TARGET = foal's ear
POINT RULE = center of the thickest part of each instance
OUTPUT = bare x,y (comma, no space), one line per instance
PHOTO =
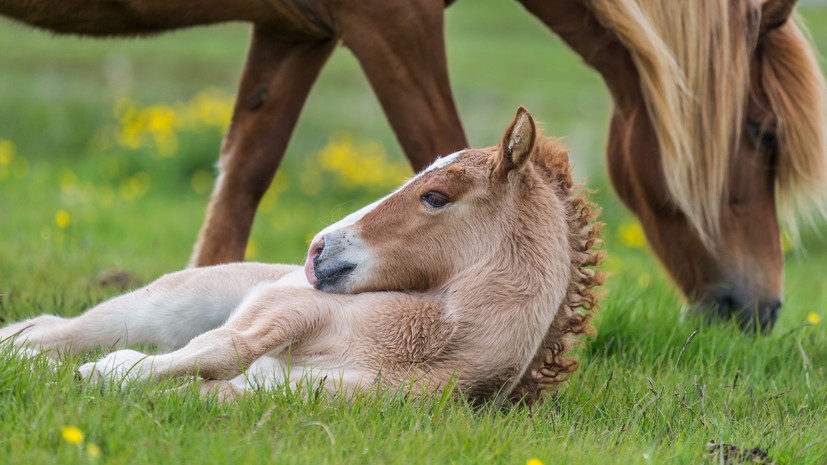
517,144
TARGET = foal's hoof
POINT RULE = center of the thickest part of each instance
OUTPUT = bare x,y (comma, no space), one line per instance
89,372
120,367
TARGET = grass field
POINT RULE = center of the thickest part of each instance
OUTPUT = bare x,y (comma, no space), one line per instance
107,153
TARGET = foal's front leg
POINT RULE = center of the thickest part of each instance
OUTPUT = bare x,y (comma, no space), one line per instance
168,312
267,322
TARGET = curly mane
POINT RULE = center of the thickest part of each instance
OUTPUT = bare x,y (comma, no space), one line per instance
550,365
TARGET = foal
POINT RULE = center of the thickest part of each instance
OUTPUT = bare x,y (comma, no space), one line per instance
472,272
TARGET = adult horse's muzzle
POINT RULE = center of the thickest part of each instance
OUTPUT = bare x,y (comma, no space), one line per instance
327,267
750,312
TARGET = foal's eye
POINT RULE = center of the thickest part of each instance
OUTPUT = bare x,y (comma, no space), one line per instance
435,199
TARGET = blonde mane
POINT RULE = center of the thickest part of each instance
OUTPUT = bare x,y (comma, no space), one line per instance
693,60
796,90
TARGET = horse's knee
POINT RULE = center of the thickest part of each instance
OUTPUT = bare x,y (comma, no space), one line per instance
245,173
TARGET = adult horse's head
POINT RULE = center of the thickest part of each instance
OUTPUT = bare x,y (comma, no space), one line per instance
720,114
500,211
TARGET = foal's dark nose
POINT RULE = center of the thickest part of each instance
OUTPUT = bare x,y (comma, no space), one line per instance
752,314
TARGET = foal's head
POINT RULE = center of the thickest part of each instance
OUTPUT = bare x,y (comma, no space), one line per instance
478,209
741,126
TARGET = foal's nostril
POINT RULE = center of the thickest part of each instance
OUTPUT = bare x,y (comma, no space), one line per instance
316,249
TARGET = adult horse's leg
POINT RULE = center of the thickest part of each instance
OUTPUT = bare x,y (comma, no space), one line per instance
401,48
404,59
277,77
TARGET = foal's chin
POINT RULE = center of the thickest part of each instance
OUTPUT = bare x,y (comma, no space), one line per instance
337,278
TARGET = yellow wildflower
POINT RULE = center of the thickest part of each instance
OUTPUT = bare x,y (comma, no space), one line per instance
362,164
813,318
251,251
631,234
72,434
210,108
787,242
93,450
62,219
134,186
160,119
132,122
279,185
167,144
7,150
643,280
534,461
68,181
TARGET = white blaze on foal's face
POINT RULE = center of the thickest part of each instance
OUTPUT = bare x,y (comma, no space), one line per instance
352,254
419,236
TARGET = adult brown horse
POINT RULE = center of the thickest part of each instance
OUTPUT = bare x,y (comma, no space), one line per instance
719,109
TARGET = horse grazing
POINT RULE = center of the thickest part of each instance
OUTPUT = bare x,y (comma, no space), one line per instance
471,273
719,109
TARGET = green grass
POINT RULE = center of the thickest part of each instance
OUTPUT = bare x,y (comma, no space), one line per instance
632,401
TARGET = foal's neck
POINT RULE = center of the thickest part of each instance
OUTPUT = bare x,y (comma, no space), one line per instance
508,301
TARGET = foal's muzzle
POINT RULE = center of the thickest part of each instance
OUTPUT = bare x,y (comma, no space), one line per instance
326,268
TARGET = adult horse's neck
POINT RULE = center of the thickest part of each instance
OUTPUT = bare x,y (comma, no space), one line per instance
573,22
600,48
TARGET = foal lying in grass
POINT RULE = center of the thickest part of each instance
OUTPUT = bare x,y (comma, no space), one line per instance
472,272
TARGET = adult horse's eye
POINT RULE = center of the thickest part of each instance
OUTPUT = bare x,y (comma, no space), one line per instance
760,137
435,199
